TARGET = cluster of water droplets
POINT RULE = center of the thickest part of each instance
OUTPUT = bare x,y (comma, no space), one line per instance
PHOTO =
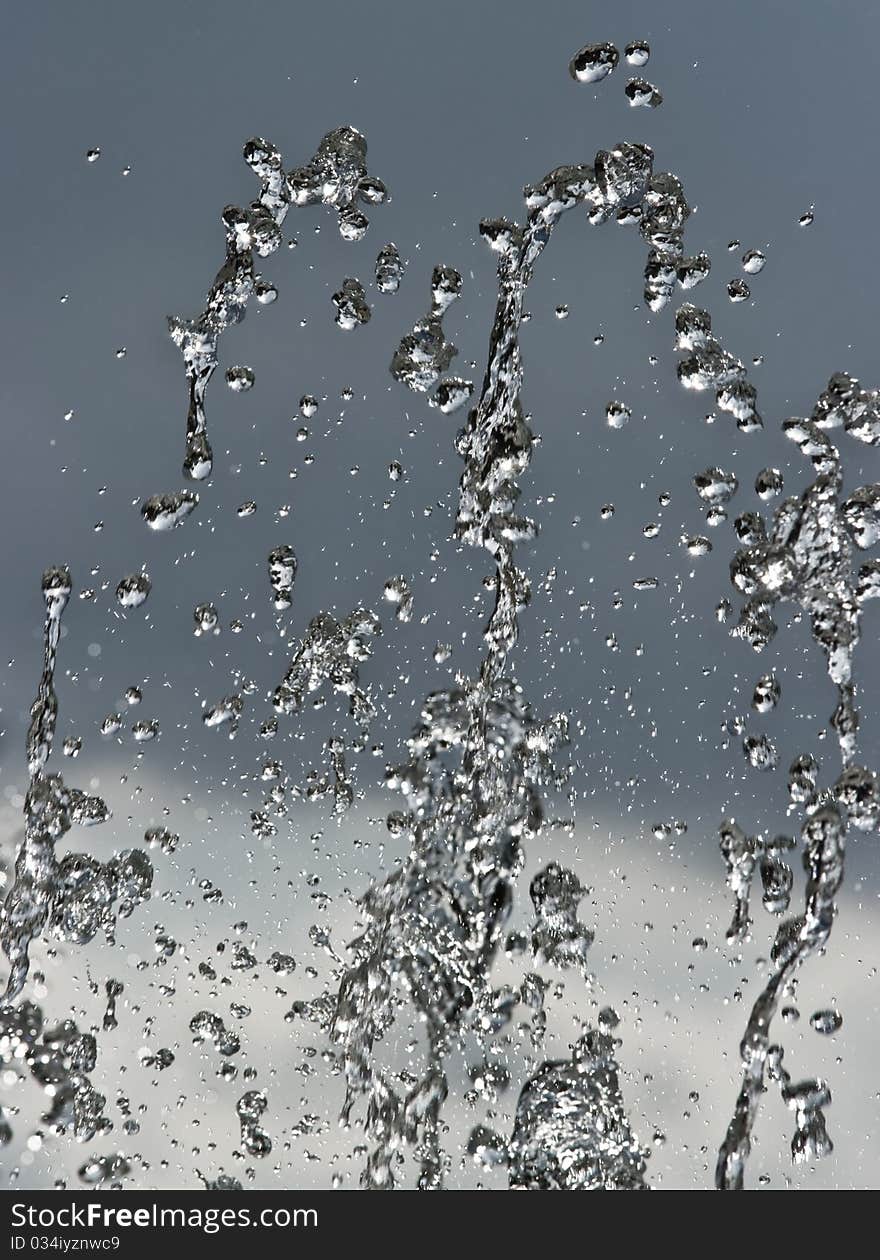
75,896
336,176
425,354
330,654
805,555
480,761
69,898
595,62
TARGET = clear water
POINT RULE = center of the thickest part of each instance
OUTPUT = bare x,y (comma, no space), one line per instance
420,892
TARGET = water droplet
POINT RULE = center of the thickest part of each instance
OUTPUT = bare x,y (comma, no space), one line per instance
207,620
132,591
397,592
826,1022
766,694
593,63
760,752
696,545
617,414
240,378
352,308
769,483
714,486
641,93
637,53
389,269
166,511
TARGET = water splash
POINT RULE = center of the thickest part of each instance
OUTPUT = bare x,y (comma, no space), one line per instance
336,176
806,556
558,937
59,1060
480,762
571,1130
331,652
434,927
75,896
424,354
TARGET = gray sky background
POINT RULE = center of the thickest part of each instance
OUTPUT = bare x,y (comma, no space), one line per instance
768,110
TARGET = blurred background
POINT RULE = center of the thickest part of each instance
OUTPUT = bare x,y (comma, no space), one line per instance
767,113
